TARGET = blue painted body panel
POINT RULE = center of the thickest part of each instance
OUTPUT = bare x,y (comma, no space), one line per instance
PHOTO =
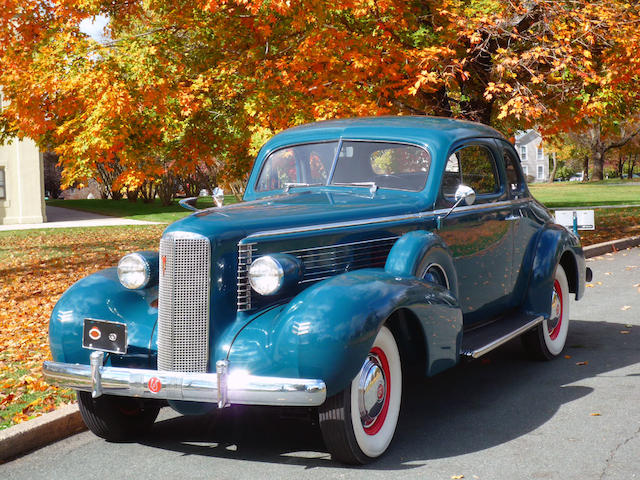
327,330
101,296
324,330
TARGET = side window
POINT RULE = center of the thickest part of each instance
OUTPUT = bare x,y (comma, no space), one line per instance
515,180
473,166
3,186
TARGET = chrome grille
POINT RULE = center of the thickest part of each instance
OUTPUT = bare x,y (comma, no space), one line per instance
319,262
183,302
245,257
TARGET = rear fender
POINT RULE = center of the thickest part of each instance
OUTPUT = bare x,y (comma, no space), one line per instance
555,245
327,330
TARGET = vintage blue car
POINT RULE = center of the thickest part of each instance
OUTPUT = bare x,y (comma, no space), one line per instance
365,251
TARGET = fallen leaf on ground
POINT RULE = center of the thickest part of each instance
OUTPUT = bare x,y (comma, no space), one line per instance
455,477
589,285
594,414
628,325
626,307
582,363
624,331
607,273
567,357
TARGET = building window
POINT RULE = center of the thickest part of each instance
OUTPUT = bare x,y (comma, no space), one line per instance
3,186
523,153
540,154
525,169
540,172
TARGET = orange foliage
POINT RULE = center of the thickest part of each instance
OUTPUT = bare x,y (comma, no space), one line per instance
213,78
36,268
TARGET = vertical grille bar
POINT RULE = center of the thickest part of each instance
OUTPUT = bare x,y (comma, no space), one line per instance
183,302
245,257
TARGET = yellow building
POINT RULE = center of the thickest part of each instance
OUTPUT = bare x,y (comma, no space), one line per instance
21,182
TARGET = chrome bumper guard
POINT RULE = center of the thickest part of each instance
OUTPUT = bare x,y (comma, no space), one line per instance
222,387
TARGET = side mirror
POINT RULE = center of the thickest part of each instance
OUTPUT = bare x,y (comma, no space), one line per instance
218,196
465,194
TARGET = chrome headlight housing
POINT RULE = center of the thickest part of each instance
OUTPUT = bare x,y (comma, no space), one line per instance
136,270
271,274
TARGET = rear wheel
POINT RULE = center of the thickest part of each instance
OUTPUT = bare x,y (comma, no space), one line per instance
548,339
358,423
117,418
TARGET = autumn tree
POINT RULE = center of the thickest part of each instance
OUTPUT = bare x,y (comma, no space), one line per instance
185,81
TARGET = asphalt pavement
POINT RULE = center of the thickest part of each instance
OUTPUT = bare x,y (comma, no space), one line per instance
500,417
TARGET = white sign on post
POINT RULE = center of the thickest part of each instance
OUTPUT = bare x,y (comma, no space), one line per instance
586,219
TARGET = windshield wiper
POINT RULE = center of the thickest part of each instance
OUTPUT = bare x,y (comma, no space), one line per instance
372,185
289,185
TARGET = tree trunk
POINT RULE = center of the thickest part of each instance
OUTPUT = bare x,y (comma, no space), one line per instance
166,189
552,176
598,162
585,169
632,163
621,162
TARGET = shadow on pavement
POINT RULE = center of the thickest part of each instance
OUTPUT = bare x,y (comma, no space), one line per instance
470,408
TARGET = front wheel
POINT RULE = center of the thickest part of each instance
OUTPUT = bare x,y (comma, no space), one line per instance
548,339
358,423
117,418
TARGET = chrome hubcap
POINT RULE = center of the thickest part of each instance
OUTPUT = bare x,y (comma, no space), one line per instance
556,311
371,390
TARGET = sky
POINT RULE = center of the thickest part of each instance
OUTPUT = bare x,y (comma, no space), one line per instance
94,27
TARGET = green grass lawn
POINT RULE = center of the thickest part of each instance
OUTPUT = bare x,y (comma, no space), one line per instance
575,194
153,212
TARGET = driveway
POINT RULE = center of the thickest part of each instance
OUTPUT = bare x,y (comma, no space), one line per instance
58,217
501,417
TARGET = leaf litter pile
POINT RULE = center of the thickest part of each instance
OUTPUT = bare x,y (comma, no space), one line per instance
36,267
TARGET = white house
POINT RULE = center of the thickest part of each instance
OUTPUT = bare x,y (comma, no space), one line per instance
532,155
21,182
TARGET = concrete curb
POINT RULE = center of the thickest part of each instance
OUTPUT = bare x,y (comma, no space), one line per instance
612,246
40,431
66,421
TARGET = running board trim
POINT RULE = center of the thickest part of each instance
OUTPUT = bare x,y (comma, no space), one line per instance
480,351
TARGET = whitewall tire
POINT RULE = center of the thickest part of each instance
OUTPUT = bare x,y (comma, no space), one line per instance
548,340
358,423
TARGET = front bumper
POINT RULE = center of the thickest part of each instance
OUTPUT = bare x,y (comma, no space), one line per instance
222,387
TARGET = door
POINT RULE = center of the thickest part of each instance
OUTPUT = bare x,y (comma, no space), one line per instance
480,236
525,223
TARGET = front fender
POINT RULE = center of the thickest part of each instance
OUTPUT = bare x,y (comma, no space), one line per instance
327,330
101,296
555,245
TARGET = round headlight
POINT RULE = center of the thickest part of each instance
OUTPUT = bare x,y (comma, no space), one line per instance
266,275
134,271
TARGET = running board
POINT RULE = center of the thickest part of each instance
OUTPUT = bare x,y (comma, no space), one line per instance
479,341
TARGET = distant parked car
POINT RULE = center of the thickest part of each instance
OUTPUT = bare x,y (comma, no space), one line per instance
366,250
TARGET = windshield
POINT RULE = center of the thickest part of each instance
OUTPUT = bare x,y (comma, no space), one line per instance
301,164
359,163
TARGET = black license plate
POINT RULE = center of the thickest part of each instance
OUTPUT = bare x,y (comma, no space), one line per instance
105,336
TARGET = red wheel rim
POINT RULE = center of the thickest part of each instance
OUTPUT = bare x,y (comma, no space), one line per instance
379,421
555,331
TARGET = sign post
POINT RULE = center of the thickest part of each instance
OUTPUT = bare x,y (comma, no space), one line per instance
576,219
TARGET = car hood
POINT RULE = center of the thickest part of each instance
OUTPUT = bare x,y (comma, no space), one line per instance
298,209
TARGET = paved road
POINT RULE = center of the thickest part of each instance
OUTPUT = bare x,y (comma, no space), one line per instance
501,418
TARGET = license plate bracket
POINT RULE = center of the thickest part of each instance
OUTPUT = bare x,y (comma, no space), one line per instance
105,336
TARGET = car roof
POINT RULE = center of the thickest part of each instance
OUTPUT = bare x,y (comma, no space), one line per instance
415,129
